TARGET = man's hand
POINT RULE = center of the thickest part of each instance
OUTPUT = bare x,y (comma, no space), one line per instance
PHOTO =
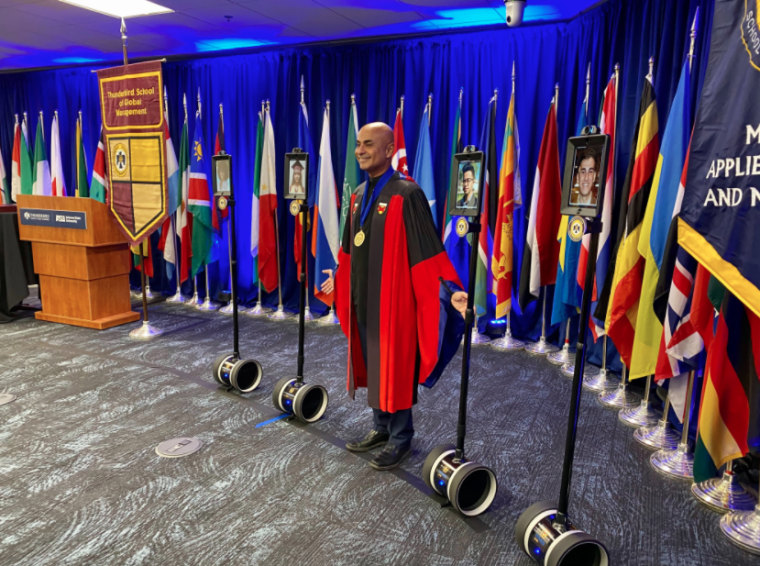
329,284
459,301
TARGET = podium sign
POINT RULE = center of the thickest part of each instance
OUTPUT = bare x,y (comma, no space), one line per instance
135,138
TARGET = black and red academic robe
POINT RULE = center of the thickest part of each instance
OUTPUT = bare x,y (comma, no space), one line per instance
395,277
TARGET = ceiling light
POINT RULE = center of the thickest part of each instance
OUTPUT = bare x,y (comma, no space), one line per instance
121,9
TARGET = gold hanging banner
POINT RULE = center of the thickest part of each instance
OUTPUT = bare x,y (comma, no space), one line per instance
135,135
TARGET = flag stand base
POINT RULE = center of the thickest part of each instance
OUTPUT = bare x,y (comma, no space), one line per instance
541,347
743,529
636,417
562,357
145,332
176,298
678,463
279,314
618,398
600,381
507,342
329,318
657,436
723,494
256,310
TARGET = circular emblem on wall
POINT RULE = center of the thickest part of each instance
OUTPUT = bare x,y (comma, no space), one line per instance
222,203
120,159
576,228
295,207
462,227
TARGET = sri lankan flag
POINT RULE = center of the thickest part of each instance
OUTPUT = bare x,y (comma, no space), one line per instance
509,176
625,289
729,419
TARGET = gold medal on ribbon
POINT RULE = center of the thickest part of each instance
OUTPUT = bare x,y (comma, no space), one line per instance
359,238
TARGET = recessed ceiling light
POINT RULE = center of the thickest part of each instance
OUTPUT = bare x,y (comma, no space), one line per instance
122,8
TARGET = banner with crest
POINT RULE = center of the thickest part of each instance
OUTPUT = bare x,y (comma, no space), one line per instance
135,146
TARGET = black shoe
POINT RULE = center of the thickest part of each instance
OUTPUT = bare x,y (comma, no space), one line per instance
390,457
373,439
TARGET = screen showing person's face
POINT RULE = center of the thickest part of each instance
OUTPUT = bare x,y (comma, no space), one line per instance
296,176
586,176
468,183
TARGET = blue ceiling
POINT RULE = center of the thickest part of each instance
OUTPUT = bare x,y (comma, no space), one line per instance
48,33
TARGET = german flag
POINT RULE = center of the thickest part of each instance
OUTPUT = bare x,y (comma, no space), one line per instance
729,419
625,287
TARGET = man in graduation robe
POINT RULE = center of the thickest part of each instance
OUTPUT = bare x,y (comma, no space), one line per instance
394,297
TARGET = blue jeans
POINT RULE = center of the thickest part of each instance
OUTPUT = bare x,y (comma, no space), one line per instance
398,425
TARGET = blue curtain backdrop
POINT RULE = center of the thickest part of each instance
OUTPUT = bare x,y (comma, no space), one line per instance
627,32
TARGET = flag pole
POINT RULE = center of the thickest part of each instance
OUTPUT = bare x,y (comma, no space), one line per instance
257,309
478,338
229,307
563,356
206,305
660,435
307,316
678,462
506,342
177,296
146,330
542,346
600,381
618,398
280,313
196,300
643,415
79,117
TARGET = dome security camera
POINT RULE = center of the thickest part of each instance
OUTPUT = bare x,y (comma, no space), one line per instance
515,10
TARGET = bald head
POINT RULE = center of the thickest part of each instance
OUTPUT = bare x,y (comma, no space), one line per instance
374,148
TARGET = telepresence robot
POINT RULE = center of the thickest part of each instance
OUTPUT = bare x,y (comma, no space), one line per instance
544,531
228,369
469,487
291,395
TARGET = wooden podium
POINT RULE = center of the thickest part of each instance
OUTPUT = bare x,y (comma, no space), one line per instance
82,260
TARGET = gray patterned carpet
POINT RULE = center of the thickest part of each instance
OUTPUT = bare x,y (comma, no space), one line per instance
80,482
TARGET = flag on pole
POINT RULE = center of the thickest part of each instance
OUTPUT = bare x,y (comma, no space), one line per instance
268,259
57,182
5,190
399,161
568,291
82,186
423,162
99,180
255,196
167,242
539,265
184,220
483,277
730,407
457,247
607,123
625,287
662,206
509,184
199,202
326,238
41,184
719,223
27,168
16,161
351,170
